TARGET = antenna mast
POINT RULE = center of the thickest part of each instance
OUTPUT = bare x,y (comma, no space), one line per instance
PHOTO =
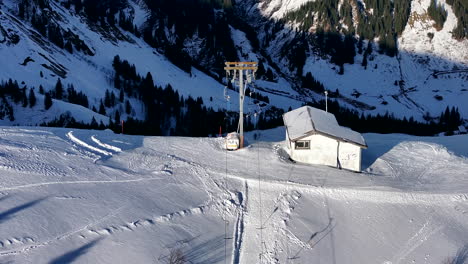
246,74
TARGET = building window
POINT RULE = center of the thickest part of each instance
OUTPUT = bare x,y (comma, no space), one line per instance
302,144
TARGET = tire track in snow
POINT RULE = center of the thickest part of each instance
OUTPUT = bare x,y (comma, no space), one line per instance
86,145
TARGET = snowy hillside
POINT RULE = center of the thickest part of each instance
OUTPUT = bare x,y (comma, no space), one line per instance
87,196
429,74
93,74
90,74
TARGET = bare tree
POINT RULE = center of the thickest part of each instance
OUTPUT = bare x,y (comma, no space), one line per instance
176,256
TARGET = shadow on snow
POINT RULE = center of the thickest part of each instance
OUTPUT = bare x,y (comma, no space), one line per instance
74,254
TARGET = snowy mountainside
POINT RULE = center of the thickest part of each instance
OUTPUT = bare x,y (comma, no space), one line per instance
84,196
92,73
429,73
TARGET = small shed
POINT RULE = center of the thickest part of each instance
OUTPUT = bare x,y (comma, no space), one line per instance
314,136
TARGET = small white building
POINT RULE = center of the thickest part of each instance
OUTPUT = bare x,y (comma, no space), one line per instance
462,129
314,136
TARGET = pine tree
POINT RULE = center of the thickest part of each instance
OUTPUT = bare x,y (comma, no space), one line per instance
102,109
32,98
438,14
69,47
364,61
78,5
107,99
116,64
117,117
47,101
117,81
94,124
128,107
21,10
112,99
24,98
59,89
121,95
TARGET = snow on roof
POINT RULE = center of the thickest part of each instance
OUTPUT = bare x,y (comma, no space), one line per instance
462,129
306,120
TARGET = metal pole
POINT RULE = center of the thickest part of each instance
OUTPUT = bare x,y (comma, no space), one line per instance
241,103
326,101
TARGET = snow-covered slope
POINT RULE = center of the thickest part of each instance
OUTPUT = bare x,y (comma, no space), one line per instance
96,197
429,73
278,8
92,74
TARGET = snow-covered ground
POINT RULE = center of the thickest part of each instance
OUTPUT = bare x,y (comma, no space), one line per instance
82,196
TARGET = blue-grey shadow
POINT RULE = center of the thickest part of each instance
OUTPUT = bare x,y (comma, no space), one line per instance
207,252
377,148
73,255
462,256
277,134
379,144
4,197
10,213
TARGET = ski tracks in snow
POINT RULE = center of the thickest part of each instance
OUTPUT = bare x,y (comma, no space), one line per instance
240,223
104,149
104,145
33,185
422,235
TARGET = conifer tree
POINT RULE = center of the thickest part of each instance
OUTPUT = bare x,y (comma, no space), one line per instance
102,109
32,98
364,61
117,117
58,89
128,107
94,124
24,98
438,14
47,101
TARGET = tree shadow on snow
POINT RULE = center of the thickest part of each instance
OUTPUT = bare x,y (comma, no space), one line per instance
462,256
73,255
206,252
10,213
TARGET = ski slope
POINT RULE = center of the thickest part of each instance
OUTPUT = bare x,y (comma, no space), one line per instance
83,196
